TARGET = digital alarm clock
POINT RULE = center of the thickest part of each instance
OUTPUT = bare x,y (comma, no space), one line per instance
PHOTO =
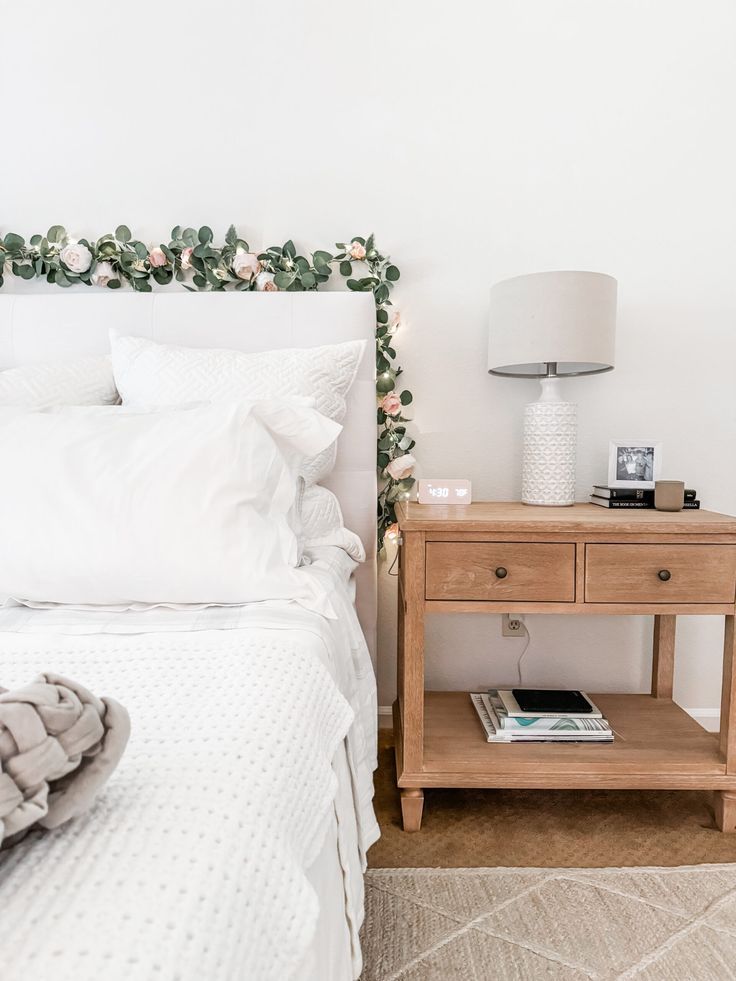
444,492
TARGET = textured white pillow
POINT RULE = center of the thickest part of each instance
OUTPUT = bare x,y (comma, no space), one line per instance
187,505
322,523
149,374
86,381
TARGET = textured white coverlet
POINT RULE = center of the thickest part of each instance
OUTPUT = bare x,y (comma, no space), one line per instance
192,863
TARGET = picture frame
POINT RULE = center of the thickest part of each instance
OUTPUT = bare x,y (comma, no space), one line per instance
634,463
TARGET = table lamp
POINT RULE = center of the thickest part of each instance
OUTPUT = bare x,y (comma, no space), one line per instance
549,326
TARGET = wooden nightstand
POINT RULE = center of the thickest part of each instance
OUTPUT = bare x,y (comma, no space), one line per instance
512,558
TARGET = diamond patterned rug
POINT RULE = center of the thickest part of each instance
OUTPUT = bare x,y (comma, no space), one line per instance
652,924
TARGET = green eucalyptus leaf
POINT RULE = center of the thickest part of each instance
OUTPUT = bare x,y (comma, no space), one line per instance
113,284
14,242
290,249
406,398
385,382
284,279
205,235
122,234
308,281
56,234
346,268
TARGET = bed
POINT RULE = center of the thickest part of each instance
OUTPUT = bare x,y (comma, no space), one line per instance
233,846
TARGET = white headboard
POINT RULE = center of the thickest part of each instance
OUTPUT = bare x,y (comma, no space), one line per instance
38,328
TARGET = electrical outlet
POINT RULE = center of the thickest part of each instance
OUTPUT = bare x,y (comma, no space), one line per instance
512,626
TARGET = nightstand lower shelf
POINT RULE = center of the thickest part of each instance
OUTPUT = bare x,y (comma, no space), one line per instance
657,746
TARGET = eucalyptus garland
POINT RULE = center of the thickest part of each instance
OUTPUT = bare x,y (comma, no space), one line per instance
192,259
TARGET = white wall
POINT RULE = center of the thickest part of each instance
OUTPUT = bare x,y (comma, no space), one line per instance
478,140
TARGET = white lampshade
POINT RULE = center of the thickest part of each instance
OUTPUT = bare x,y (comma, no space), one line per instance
565,319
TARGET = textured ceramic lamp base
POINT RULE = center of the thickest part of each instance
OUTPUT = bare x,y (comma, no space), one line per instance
548,464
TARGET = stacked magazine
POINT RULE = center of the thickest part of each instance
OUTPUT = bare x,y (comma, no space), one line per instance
505,722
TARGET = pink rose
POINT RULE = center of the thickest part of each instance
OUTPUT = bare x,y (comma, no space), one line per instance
246,265
103,274
186,257
157,257
392,532
391,404
264,281
356,250
76,257
401,467
394,320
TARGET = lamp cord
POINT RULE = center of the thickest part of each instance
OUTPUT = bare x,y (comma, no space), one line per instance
523,653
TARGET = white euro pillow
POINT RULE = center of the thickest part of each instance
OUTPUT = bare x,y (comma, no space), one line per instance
84,381
322,523
188,505
150,374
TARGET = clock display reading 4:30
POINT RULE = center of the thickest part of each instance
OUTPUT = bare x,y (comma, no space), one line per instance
444,492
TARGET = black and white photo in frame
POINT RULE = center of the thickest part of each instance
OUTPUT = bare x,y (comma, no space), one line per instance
634,463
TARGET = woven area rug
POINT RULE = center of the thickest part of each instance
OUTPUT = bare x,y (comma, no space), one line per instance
551,828
658,924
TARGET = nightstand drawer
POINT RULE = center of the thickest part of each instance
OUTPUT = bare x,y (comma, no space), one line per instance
498,571
660,573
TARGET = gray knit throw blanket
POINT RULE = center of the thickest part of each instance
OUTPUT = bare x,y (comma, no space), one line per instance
58,745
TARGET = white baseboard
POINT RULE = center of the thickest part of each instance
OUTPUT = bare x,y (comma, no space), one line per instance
709,718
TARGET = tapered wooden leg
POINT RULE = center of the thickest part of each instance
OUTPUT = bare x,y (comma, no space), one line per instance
663,655
412,805
725,809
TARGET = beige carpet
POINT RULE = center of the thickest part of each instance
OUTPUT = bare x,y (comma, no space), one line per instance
562,924
528,828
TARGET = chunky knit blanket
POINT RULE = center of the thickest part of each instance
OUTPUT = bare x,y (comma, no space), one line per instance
58,745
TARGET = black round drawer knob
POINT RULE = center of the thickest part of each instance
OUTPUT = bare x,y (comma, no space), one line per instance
664,574
501,573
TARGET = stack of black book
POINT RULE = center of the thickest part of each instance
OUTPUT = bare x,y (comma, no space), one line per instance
633,497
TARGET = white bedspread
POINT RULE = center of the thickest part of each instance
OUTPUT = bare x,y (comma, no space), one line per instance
192,863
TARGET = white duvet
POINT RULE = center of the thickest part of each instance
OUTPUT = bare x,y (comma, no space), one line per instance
192,863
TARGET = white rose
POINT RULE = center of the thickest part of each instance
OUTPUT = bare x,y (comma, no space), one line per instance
103,274
186,257
401,466
264,281
246,265
77,257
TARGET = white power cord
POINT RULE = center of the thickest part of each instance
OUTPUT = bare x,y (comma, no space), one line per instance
521,656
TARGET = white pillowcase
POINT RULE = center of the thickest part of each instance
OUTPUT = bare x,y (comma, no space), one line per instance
322,523
150,374
85,381
108,506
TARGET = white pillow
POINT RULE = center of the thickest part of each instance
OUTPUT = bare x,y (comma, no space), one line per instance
107,506
322,523
149,374
86,381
